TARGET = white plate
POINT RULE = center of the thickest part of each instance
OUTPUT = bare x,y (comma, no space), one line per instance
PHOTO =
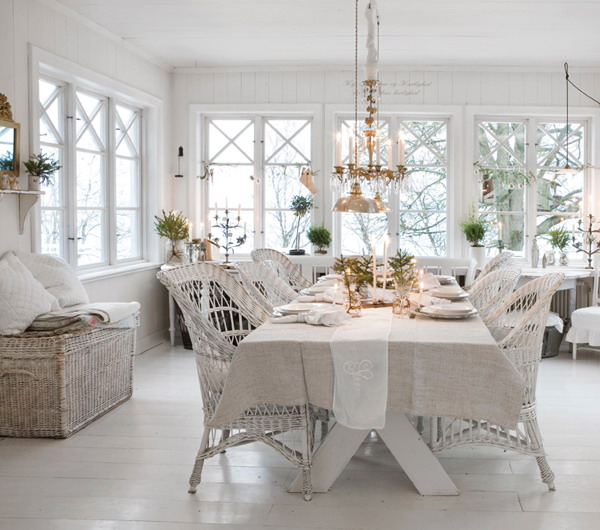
444,280
450,309
318,289
292,309
449,294
447,316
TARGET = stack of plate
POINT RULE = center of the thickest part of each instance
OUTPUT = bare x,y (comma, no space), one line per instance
444,280
296,308
315,289
450,292
455,311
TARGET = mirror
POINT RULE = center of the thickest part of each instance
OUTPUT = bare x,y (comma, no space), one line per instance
9,140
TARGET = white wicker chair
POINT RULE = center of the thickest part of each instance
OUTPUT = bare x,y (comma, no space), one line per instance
518,326
264,285
504,259
219,313
282,266
585,322
487,293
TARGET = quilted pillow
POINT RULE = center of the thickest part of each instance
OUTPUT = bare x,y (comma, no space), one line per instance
57,276
22,297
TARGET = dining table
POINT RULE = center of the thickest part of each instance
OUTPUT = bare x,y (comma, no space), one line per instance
433,368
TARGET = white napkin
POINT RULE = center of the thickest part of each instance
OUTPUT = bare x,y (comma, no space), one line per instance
430,281
316,317
425,299
326,282
327,296
360,365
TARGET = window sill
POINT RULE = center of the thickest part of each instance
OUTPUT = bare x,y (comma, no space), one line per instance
112,272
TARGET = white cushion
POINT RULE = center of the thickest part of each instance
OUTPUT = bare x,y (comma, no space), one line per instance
57,276
22,297
585,326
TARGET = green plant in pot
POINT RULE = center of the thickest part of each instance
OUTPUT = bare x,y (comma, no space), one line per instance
41,169
320,237
301,206
559,240
174,227
474,228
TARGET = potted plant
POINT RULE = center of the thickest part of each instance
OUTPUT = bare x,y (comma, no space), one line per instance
41,169
320,237
301,206
475,229
559,240
174,227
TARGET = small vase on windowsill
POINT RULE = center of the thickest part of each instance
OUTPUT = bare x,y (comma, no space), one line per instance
175,252
563,259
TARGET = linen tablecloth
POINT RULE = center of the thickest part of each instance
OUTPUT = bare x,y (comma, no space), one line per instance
436,368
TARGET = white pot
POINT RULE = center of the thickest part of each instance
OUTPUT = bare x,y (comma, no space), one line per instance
478,254
34,183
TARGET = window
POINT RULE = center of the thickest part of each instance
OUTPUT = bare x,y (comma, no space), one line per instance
521,192
255,165
92,215
419,207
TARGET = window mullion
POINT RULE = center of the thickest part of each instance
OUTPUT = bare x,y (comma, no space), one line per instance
531,197
71,176
110,184
259,177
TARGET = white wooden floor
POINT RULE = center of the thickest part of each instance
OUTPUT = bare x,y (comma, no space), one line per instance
129,470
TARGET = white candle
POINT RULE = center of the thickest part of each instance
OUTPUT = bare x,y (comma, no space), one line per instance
374,250
351,146
338,149
500,230
244,228
377,150
400,151
239,211
190,231
385,264
216,210
420,292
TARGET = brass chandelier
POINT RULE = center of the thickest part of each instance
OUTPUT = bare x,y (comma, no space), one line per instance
352,177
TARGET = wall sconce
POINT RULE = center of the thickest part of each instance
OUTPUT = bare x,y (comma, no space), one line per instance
179,157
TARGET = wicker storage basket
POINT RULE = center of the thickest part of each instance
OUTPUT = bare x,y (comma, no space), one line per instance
53,385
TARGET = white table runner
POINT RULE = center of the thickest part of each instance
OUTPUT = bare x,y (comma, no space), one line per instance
360,366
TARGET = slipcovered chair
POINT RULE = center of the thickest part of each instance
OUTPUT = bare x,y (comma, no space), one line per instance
219,313
263,284
281,264
585,322
518,327
487,293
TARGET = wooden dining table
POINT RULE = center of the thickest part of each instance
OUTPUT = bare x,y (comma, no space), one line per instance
435,368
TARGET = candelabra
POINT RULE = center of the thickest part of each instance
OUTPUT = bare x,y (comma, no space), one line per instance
227,227
590,245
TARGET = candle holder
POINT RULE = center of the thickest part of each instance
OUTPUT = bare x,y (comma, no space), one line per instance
228,226
590,244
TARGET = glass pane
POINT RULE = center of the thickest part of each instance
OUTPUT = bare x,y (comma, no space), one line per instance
552,144
287,141
127,133
90,180
511,232
424,142
282,228
359,229
127,183
384,144
234,184
424,190
128,244
423,233
91,122
231,141
502,144
52,227
503,190
281,184
246,226
559,193
91,231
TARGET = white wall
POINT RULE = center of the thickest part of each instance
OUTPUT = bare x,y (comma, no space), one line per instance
57,30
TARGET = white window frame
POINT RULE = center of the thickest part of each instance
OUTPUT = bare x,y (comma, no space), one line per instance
533,115
47,65
453,114
198,202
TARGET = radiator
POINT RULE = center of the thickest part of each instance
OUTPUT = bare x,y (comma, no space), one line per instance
560,301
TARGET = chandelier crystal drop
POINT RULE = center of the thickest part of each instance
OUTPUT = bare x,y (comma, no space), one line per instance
353,178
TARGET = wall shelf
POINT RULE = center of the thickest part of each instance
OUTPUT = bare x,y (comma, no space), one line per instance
26,200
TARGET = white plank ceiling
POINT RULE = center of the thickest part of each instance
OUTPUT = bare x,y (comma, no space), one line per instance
295,33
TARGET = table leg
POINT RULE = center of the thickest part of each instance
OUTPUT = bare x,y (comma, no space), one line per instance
172,319
331,458
409,450
415,458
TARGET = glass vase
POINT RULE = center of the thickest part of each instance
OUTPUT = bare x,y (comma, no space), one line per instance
401,301
352,302
175,252
563,259
550,258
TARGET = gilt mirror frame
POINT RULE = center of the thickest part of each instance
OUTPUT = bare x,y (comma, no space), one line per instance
6,122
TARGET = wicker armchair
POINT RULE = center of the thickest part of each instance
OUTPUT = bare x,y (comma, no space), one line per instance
263,284
518,326
281,264
504,259
219,313
487,293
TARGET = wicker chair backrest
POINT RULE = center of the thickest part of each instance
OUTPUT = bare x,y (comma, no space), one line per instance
263,283
282,266
487,293
504,259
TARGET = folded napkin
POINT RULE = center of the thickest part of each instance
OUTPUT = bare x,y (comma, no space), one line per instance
425,299
326,282
316,317
327,296
429,281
